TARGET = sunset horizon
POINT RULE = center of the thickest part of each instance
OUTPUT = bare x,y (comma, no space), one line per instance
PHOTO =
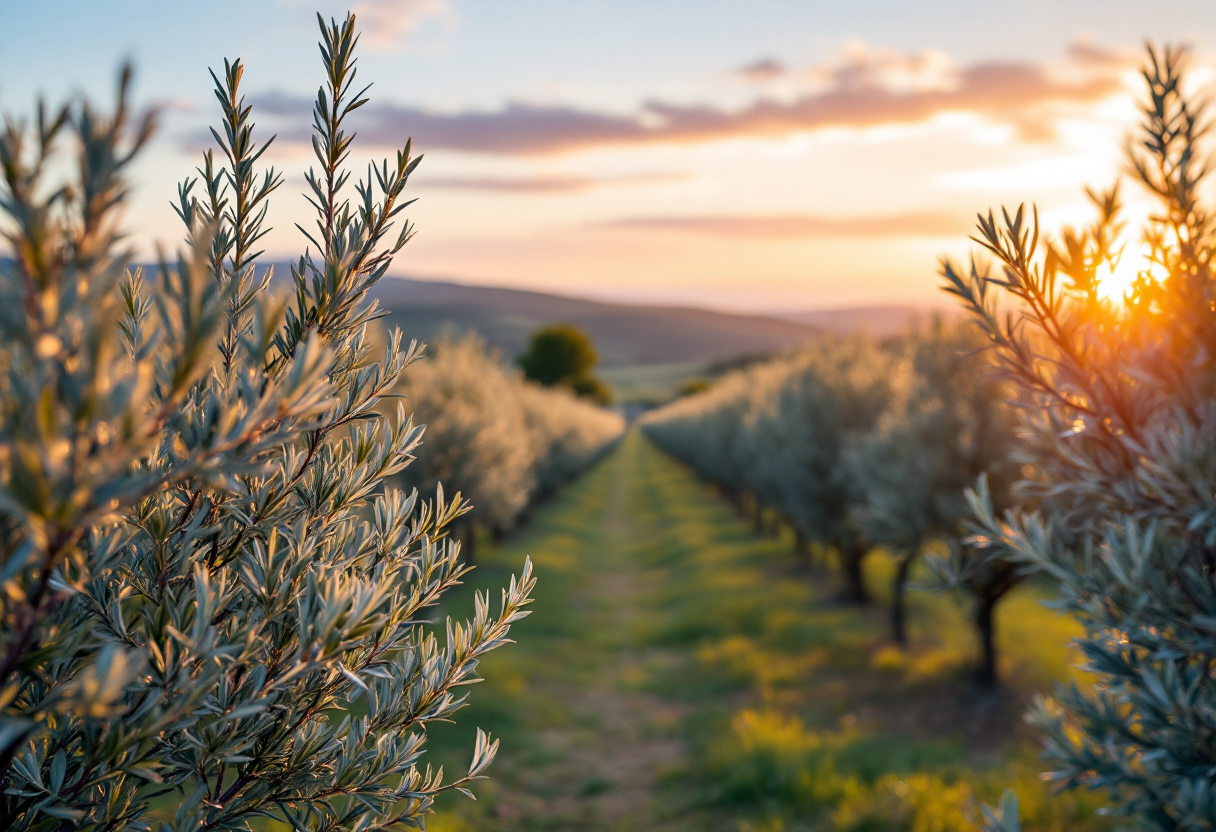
599,415
785,158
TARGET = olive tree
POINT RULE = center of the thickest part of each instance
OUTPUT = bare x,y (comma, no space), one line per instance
211,605
837,390
477,439
778,430
504,442
569,433
1122,439
948,427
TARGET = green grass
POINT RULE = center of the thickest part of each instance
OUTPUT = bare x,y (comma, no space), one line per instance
680,673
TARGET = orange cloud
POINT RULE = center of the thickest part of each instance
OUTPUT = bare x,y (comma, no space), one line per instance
869,89
543,184
916,224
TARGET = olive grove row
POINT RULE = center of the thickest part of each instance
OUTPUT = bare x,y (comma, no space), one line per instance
500,440
857,444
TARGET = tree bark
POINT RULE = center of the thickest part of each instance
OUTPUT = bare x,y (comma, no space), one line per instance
851,555
985,625
899,610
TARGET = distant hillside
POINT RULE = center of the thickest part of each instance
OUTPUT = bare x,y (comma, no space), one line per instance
625,335
877,320
646,352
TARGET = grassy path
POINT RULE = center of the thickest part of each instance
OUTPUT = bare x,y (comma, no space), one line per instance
680,673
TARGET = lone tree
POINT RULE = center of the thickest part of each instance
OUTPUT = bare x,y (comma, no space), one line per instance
1123,444
563,356
208,592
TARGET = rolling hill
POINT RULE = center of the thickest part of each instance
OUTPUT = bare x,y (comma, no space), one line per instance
625,335
876,320
646,352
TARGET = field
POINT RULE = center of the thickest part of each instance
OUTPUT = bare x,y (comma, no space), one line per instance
681,673
651,382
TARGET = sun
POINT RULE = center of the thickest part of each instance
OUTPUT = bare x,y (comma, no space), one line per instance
1115,279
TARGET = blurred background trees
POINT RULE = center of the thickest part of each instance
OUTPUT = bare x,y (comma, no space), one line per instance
857,443
947,427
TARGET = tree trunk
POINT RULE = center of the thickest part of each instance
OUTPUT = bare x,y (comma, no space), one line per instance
758,516
774,525
899,611
802,548
736,502
985,625
851,555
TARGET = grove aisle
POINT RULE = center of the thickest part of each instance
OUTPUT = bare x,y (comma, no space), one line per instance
678,670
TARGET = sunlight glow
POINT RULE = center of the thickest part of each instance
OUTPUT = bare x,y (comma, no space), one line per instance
1115,279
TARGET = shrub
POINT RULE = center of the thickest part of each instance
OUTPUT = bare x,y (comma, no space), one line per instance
477,438
570,434
208,592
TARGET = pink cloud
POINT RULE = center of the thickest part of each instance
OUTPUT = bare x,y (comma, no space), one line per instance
868,89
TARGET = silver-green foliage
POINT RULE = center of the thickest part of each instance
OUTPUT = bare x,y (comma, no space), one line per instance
1123,441
570,432
211,606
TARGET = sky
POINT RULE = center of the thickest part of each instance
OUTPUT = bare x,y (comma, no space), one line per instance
767,155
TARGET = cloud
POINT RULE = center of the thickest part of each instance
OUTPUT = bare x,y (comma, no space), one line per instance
544,184
767,69
387,24
1086,52
383,24
869,88
793,226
